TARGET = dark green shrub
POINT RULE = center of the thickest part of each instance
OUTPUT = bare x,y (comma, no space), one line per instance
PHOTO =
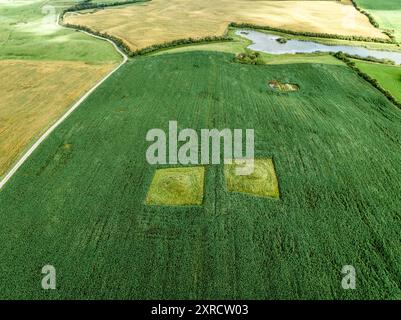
249,57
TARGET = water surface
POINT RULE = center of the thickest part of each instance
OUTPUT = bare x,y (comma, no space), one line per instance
268,43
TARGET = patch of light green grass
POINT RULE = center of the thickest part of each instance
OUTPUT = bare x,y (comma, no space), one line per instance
261,182
389,77
177,186
29,31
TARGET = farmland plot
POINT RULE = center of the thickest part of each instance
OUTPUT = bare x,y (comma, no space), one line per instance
386,12
78,202
161,21
35,94
389,77
44,68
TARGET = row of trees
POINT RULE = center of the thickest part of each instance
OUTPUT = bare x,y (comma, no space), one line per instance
371,59
127,50
373,21
345,58
119,42
88,4
180,42
311,34
249,57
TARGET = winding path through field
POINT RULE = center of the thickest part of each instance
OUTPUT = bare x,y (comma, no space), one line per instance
21,161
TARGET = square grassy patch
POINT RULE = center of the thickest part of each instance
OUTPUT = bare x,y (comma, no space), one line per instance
262,182
177,186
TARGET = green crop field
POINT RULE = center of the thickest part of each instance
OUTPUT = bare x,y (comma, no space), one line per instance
389,77
78,203
28,30
386,12
45,68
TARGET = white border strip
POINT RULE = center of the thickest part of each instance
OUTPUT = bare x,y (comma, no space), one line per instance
65,116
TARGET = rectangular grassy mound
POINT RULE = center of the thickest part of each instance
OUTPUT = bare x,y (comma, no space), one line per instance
177,186
262,182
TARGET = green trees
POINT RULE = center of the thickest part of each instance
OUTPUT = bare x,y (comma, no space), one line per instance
88,4
346,59
312,34
179,42
249,57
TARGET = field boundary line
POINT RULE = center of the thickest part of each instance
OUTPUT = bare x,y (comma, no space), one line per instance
346,58
43,137
373,21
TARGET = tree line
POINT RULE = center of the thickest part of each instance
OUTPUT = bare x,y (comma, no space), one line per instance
312,34
373,21
347,60
88,4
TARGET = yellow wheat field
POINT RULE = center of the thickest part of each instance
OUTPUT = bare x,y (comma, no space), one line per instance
158,21
34,95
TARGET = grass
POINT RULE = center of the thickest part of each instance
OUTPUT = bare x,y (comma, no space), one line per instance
240,44
46,68
335,145
332,41
29,31
262,182
389,77
386,12
178,19
177,186
35,94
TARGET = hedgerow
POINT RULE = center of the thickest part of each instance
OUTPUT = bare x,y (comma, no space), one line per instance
371,59
118,42
311,34
346,59
88,4
127,50
179,42
373,21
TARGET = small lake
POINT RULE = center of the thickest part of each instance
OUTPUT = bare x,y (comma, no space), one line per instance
268,43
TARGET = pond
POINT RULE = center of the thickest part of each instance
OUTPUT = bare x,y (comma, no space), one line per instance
268,43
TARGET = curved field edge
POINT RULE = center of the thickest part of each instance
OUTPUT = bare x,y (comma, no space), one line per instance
381,81
35,95
77,203
239,44
389,77
387,15
98,22
30,32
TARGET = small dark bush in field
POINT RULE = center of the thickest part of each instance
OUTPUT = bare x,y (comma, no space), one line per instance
281,40
249,57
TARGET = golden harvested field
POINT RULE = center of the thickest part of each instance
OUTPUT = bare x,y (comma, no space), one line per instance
158,21
34,95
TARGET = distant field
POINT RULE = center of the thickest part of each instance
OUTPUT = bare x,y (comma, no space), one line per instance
386,12
44,69
35,94
389,77
238,44
161,21
28,30
78,202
